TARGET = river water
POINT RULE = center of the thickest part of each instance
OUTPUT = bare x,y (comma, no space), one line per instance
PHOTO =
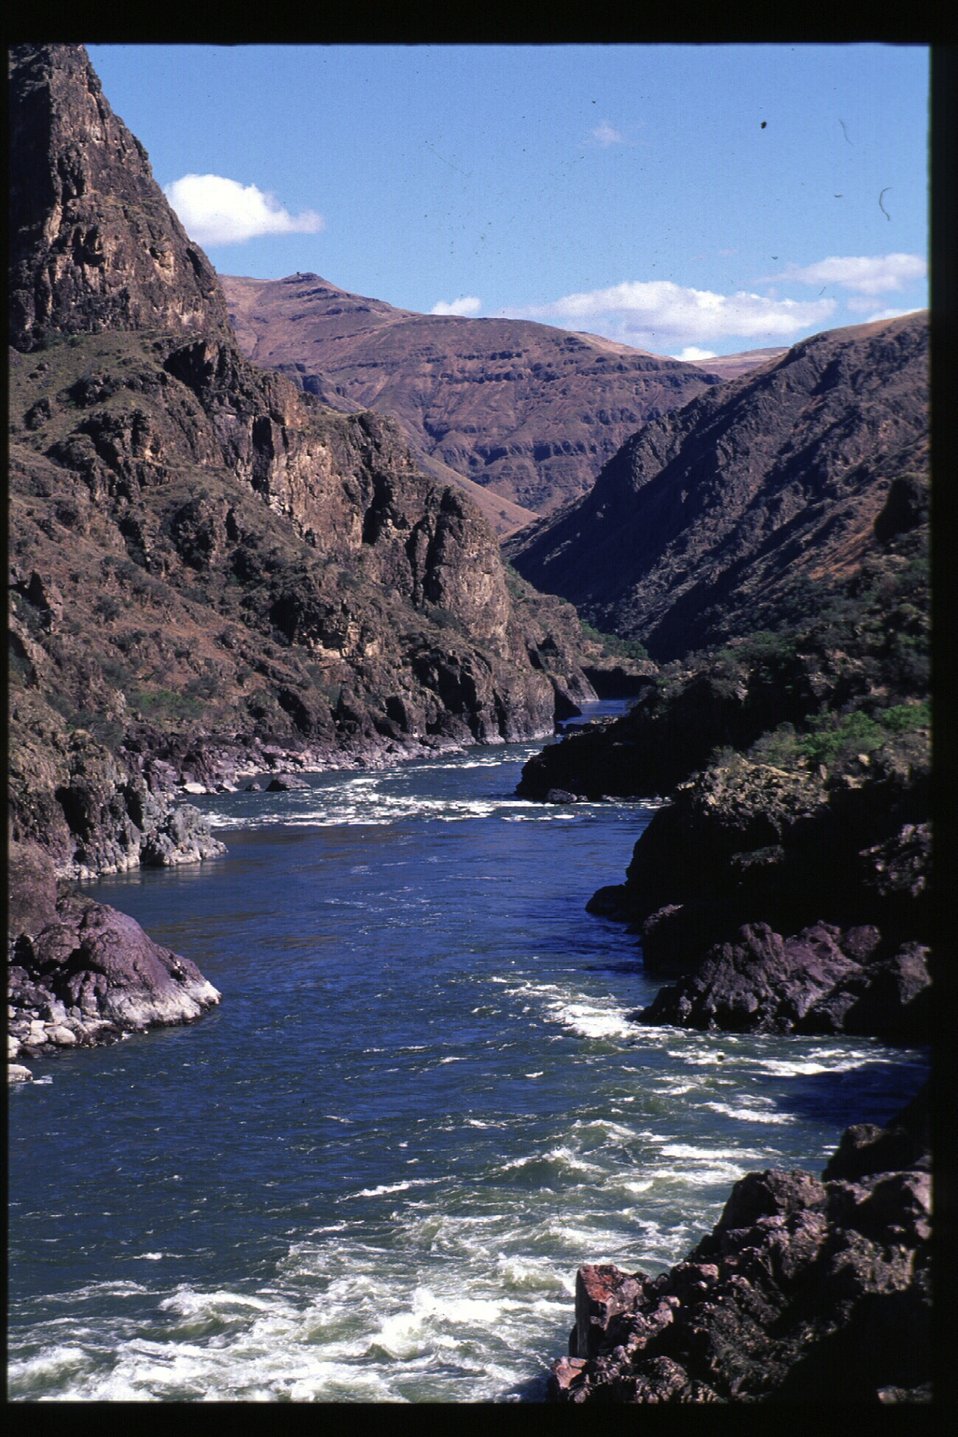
371,1173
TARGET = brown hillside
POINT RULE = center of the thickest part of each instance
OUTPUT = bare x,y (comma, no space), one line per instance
527,411
697,527
205,563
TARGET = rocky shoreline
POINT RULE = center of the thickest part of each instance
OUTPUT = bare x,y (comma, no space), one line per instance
81,973
788,902
811,1290
89,975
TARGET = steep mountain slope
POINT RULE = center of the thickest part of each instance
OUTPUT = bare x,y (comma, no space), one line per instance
527,411
205,564
706,518
93,243
771,541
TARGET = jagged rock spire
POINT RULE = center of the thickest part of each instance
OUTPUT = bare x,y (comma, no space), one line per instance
94,244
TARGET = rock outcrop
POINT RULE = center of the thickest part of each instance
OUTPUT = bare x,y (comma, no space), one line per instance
93,244
789,901
821,980
808,1290
80,973
525,412
707,519
861,644
90,975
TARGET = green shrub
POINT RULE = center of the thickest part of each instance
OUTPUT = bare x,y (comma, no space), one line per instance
631,649
166,704
835,737
905,718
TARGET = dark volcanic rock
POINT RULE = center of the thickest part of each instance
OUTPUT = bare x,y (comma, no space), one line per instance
904,1142
806,1290
818,981
763,887
661,740
528,412
91,975
284,782
90,811
705,520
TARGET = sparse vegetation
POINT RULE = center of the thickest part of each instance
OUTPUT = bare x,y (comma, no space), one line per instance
630,649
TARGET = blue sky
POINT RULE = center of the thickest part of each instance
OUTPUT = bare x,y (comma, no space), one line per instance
688,200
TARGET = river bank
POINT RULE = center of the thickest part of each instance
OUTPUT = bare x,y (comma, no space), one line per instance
371,1172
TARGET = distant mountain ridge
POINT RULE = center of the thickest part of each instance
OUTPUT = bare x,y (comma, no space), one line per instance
707,516
527,411
731,366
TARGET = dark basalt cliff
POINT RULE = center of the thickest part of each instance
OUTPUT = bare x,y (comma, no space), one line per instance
526,411
811,1291
702,523
209,572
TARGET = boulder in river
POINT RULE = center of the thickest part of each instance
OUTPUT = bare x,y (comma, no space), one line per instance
91,975
821,980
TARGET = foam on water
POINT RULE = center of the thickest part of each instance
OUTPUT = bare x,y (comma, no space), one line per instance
749,1114
601,1018
372,1175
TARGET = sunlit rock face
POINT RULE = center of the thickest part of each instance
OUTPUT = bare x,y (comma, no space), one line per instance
93,244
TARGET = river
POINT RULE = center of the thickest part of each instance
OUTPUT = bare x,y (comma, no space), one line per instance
371,1173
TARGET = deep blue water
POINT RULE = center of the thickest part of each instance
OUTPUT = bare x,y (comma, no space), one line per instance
370,1175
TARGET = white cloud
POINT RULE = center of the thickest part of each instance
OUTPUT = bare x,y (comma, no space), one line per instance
691,352
606,134
656,311
465,304
867,274
215,210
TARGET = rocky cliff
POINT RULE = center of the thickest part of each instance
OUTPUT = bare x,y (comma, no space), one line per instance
528,412
811,1291
204,561
93,244
210,573
706,520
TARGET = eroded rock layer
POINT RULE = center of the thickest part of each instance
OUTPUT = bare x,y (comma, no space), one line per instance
526,412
